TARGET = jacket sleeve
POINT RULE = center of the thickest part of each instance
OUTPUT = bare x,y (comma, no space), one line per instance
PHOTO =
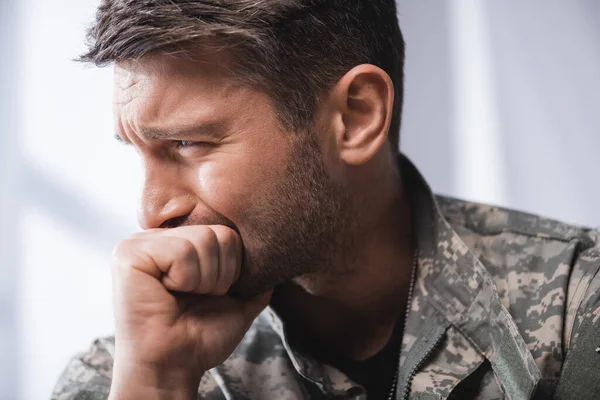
87,375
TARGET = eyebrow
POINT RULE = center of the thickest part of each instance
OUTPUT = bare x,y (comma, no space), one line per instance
212,130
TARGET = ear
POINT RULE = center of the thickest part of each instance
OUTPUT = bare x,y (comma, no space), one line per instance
363,99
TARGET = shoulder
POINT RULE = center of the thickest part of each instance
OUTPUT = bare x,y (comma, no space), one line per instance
525,252
486,219
507,240
545,271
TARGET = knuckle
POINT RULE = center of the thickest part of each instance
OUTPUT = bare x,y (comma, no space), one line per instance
229,238
186,248
207,238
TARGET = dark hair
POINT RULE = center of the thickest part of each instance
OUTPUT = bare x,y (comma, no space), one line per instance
294,50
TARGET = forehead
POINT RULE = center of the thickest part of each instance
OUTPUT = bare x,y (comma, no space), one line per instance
162,72
165,87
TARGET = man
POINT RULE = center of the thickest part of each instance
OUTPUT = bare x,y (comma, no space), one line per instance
288,250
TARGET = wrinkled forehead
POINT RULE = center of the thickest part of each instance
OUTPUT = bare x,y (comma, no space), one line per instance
167,92
208,73
172,81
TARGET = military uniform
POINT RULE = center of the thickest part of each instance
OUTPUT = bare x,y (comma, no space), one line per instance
498,301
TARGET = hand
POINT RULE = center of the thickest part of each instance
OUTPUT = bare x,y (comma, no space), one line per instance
173,319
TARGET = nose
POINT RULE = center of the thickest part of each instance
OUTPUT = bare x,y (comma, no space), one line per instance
164,203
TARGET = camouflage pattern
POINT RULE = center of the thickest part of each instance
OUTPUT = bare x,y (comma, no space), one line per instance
498,301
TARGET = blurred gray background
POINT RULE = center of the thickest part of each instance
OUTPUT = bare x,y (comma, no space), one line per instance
502,106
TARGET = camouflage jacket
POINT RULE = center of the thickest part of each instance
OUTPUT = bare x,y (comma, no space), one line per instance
498,300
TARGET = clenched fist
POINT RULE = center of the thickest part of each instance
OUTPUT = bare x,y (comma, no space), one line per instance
173,319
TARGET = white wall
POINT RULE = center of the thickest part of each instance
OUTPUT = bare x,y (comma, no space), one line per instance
503,101
77,192
9,357
501,106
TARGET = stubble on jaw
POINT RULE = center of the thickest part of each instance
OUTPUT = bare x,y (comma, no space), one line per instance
304,227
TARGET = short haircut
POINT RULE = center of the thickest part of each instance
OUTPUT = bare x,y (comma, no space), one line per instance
293,50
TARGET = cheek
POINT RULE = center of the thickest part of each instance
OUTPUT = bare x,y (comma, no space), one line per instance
221,185
236,186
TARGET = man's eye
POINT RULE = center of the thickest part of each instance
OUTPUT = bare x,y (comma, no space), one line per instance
185,143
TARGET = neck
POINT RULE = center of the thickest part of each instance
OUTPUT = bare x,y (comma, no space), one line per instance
350,310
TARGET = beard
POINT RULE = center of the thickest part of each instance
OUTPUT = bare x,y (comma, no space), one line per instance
300,227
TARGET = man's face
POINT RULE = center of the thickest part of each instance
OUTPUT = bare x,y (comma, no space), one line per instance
214,152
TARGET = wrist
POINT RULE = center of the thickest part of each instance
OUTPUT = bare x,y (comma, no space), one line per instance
133,381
